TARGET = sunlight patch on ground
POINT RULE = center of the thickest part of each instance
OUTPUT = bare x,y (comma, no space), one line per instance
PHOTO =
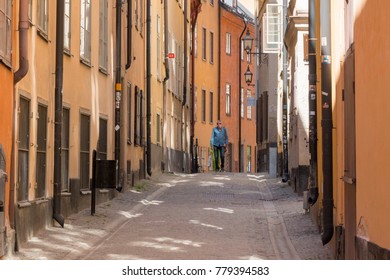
222,178
210,183
257,180
134,191
255,176
224,210
165,185
157,246
128,214
252,258
122,257
153,202
179,241
196,222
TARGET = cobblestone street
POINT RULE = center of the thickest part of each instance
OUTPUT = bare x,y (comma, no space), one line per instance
178,216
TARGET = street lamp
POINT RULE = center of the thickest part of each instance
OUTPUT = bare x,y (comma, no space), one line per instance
248,76
248,40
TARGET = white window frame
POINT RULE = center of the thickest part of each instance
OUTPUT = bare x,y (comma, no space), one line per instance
6,32
228,43
272,27
103,35
85,31
228,99
67,25
248,108
43,17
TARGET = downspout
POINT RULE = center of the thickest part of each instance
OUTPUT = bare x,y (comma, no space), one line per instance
195,10
285,145
129,33
19,75
313,185
23,41
219,65
239,96
58,111
185,54
148,90
166,62
118,88
327,126
184,101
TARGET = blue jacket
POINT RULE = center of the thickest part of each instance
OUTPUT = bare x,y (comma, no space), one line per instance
219,137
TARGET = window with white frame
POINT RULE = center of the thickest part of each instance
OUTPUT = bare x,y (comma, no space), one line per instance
248,107
43,13
228,99
103,35
242,102
5,31
228,43
67,26
85,31
272,24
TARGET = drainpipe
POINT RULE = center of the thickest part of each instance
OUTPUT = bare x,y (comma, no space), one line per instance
219,65
239,96
19,74
166,62
58,111
23,41
148,90
285,146
313,186
185,54
195,10
118,89
129,33
326,104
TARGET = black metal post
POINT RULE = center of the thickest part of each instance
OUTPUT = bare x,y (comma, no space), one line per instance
313,185
93,183
327,125
148,89
118,89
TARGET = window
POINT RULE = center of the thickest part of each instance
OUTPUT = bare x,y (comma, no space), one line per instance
136,14
228,99
41,152
204,43
23,149
211,47
141,16
43,12
138,117
242,50
248,158
203,105
128,113
85,31
196,40
158,128
228,43
103,35
30,4
272,23
65,149
158,47
5,31
242,102
84,151
102,147
211,106
248,107
67,26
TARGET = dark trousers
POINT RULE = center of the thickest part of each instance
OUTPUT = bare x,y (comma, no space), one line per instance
219,152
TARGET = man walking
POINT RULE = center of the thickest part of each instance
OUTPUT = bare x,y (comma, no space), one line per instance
219,140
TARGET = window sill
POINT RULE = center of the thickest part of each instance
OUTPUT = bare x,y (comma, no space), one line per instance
85,62
85,192
24,204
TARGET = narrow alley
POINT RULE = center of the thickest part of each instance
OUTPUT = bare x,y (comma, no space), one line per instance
210,216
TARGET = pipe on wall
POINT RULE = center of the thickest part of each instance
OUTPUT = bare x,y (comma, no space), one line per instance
284,117
58,111
327,125
166,78
313,177
23,41
148,90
